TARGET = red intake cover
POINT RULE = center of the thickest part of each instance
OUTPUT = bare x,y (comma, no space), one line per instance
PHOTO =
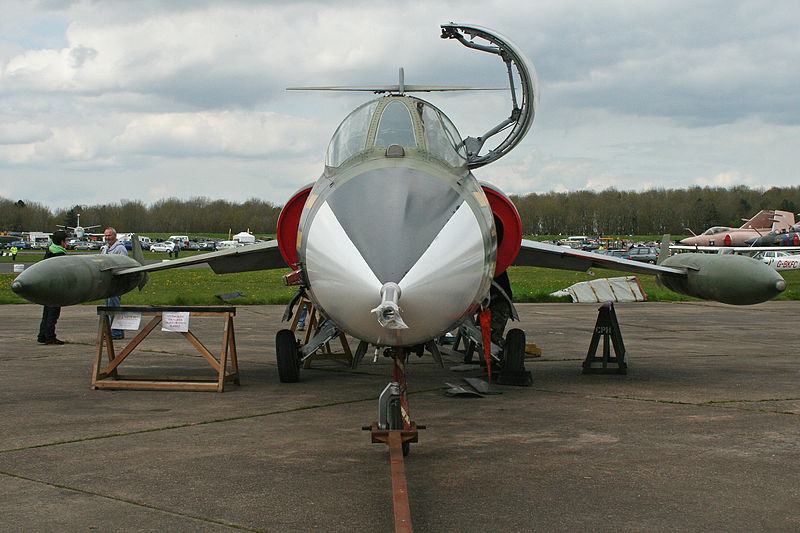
727,239
288,221
503,208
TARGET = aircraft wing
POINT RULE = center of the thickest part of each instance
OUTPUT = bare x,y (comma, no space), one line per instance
540,254
259,256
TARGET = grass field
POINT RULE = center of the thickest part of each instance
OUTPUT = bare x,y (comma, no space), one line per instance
198,286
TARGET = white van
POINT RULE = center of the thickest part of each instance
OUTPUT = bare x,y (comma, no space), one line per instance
183,239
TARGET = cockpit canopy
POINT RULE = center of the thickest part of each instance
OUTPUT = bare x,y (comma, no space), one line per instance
715,230
397,120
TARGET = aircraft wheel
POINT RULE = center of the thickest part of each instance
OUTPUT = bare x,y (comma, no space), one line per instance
396,422
514,351
288,356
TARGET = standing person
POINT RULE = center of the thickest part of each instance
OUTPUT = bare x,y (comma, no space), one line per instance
113,246
500,296
47,328
14,252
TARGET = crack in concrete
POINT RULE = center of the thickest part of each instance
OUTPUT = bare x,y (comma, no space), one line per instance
130,502
204,422
720,404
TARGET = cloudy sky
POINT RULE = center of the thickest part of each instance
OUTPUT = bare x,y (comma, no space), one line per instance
107,100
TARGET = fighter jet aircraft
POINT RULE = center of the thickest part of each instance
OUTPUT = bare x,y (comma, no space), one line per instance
763,222
397,242
779,238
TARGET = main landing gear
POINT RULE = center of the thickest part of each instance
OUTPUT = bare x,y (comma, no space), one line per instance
291,354
288,354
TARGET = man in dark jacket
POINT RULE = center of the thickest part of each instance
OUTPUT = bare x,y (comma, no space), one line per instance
47,328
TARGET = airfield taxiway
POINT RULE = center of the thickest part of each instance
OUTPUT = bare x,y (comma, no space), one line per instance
702,434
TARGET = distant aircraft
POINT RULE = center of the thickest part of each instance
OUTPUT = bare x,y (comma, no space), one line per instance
790,237
779,260
397,242
79,231
764,222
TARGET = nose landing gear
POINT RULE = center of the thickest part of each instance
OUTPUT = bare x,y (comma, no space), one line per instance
393,413
395,428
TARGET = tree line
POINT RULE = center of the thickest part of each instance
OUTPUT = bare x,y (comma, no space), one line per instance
171,215
650,212
609,212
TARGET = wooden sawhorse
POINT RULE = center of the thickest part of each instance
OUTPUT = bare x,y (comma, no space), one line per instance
108,378
312,325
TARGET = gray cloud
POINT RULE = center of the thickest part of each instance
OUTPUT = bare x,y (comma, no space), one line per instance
633,95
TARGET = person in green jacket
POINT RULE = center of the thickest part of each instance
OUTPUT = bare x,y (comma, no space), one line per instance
47,328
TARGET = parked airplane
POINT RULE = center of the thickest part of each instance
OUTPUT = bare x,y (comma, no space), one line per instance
397,242
790,237
764,222
80,231
779,260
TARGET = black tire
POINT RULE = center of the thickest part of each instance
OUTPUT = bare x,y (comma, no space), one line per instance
396,422
288,356
514,351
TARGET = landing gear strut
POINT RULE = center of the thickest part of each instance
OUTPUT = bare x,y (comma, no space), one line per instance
395,428
393,407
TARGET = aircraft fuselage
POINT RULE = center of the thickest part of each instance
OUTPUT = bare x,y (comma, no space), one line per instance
397,215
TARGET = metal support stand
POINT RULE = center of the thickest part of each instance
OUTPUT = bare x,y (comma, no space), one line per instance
318,346
470,333
606,326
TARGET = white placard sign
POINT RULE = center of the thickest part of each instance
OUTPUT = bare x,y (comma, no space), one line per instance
175,321
127,320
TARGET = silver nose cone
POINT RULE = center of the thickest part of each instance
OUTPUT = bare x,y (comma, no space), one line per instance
448,278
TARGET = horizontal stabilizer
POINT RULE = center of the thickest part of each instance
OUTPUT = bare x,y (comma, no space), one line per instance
397,88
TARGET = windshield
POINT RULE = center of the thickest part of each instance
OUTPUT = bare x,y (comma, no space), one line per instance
351,135
397,120
715,230
443,138
395,126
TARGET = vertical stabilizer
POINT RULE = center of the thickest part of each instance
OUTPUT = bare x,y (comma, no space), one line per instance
663,253
138,255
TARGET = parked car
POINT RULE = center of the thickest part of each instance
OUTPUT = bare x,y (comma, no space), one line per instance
22,245
617,253
165,246
207,246
87,245
644,254
228,244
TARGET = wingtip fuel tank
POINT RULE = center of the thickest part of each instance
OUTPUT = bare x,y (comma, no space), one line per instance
74,279
730,279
